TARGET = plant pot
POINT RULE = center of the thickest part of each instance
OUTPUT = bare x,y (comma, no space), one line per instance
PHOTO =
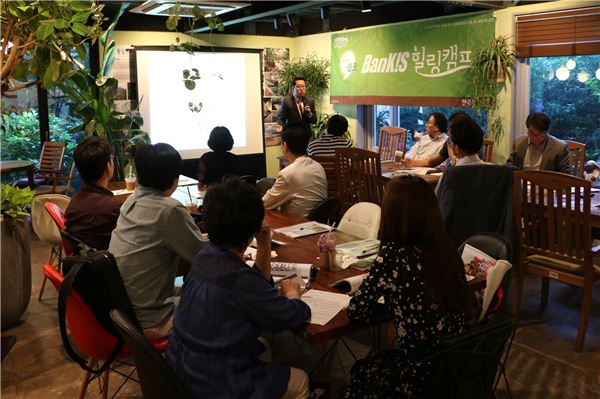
15,272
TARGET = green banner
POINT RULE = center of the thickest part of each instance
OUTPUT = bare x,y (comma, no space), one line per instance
427,58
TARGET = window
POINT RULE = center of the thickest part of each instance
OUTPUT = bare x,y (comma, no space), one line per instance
411,118
568,90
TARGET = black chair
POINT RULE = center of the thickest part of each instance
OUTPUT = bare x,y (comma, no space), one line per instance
498,247
325,211
264,184
470,365
157,379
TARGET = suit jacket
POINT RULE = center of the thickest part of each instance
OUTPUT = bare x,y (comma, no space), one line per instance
476,198
288,112
555,157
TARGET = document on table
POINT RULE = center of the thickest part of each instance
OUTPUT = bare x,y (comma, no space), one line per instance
324,305
186,181
418,171
250,253
304,229
349,285
368,246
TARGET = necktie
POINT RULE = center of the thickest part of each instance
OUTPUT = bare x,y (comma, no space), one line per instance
300,108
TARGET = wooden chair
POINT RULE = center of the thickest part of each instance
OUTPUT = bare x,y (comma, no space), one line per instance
358,177
576,157
328,163
488,150
51,159
552,219
59,183
391,139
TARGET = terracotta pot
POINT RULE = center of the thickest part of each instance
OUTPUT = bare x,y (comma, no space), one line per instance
15,272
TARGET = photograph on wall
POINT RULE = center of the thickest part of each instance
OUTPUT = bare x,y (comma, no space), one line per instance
274,60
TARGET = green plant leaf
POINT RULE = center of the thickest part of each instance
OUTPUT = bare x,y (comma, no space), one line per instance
45,30
51,75
61,24
79,28
109,58
81,16
186,73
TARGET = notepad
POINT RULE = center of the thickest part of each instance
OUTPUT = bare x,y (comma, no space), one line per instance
303,229
186,181
324,305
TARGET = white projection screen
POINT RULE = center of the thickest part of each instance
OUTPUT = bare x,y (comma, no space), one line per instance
229,89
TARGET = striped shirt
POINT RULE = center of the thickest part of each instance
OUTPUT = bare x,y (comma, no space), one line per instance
326,145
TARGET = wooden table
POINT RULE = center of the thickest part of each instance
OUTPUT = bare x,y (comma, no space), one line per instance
9,166
305,250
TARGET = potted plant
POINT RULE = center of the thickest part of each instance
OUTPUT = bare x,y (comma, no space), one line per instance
313,69
491,69
16,253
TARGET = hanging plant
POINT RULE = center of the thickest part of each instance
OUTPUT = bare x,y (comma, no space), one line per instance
491,69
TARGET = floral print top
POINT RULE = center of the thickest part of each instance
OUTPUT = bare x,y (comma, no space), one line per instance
398,276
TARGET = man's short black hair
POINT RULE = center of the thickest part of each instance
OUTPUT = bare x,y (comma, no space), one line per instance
466,133
297,78
440,121
157,165
337,125
296,136
539,121
91,157
232,213
220,139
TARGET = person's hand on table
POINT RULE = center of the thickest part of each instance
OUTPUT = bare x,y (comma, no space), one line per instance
278,128
291,289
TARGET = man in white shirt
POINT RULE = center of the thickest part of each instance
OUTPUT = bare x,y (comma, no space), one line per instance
302,185
430,144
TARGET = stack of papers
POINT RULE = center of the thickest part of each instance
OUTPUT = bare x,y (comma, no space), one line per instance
304,229
349,285
324,305
187,181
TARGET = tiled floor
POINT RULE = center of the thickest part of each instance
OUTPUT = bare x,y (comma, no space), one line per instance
542,363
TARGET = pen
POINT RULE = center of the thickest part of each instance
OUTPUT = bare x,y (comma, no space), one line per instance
289,276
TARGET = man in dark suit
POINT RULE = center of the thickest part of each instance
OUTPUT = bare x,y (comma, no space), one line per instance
296,108
539,150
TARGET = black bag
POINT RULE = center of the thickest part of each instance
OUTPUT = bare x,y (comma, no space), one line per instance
96,278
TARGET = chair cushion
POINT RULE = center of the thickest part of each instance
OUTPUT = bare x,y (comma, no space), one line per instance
564,266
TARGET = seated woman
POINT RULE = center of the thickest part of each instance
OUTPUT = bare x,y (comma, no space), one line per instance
214,165
337,127
421,278
215,347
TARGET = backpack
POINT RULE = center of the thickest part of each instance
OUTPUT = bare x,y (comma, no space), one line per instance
96,278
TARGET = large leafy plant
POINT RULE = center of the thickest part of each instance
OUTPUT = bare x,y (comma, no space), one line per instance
95,97
39,38
491,69
313,69
15,201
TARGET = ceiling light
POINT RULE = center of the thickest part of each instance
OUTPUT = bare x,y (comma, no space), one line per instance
324,13
365,6
571,64
562,73
276,24
290,19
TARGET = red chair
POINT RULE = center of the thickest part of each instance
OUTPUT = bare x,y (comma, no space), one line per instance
88,334
58,216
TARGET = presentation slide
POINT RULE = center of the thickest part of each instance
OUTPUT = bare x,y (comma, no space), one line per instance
227,93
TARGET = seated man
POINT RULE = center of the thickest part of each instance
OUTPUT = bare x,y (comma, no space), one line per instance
302,185
444,153
154,233
430,144
539,150
92,213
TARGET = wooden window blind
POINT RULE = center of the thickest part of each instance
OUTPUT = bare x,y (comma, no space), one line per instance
566,32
